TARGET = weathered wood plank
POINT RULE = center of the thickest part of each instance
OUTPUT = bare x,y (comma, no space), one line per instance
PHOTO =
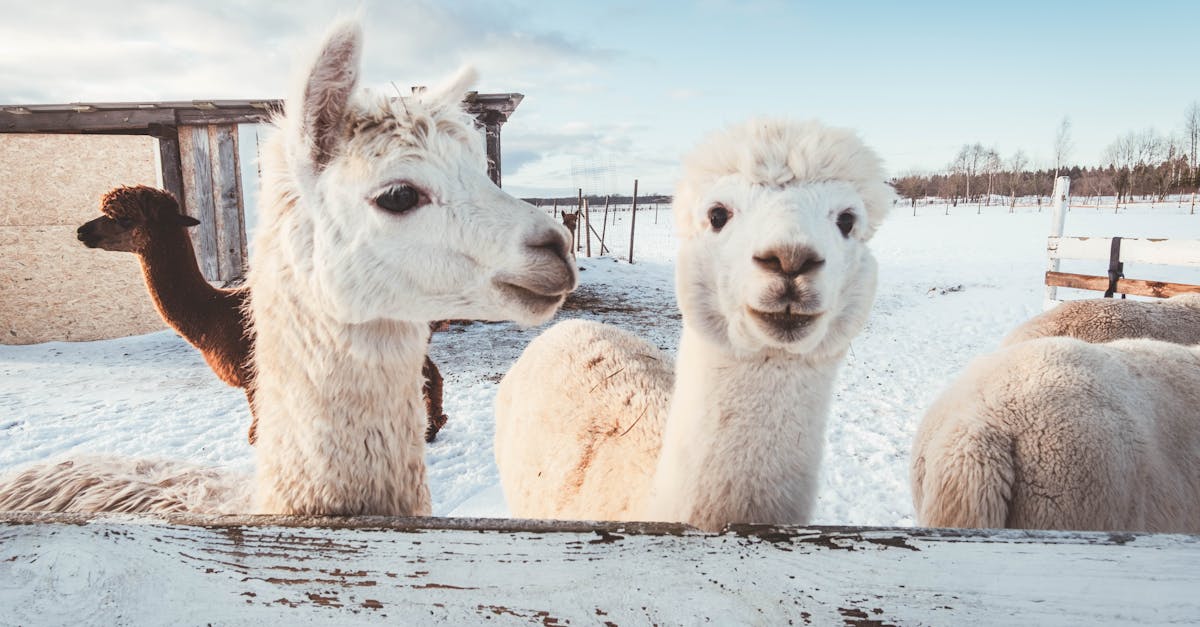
171,166
79,122
227,202
340,571
1132,287
201,117
1174,252
198,192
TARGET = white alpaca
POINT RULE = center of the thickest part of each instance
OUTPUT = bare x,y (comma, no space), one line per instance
377,217
1175,319
1057,433
774,278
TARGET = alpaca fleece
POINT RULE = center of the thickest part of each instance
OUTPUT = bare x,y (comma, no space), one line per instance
1176,319
1057,433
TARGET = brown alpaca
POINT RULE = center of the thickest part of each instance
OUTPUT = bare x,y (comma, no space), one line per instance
147,222
571,221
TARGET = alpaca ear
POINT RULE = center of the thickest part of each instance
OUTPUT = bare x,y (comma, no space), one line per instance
183,220
325,97
449,93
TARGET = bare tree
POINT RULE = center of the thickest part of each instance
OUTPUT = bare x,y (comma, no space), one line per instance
1191,133
1062,145
968,161
991,167
1016,172
1122,155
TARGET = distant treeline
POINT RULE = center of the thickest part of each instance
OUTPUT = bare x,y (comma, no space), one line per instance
1142,163
1172,176
597,201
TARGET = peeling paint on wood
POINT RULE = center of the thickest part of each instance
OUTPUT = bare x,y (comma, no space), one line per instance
247,569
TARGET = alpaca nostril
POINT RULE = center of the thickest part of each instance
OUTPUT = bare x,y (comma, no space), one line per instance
552,241
789,261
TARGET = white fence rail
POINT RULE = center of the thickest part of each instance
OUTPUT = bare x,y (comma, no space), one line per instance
1172,252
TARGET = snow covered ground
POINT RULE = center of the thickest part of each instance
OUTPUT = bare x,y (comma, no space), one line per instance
950,288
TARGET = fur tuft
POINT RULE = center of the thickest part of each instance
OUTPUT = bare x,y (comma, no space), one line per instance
122,485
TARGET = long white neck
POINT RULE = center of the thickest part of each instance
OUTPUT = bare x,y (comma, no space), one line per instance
744,436
341,421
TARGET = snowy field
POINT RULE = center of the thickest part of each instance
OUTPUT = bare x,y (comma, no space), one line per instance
950,288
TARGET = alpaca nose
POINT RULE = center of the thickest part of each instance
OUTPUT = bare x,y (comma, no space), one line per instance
549,268
553,241
789,261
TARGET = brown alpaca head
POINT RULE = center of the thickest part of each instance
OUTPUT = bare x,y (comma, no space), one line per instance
131,217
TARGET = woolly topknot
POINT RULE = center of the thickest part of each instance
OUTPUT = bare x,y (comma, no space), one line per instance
777,153
137,200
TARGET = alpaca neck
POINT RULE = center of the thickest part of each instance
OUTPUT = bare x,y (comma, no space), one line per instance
341,421
744,436
175,283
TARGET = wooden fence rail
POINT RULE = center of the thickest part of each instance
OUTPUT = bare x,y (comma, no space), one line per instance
64,569
1173,252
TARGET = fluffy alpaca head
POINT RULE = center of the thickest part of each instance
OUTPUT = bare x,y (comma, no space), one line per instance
131,216
389,210
774,218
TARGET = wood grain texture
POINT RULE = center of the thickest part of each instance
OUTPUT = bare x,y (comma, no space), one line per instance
198,194
245,570
227,202
171,168
1132,287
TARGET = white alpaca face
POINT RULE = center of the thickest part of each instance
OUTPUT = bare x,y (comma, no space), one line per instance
774,268
775,219
410,226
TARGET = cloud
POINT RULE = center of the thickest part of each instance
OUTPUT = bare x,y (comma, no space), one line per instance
146,50
599,157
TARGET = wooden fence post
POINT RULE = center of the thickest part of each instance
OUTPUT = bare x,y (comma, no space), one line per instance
586,224
1062,188
604,225
632,220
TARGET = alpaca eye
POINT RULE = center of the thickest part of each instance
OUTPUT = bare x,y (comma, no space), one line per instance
125,222
845,222
399,199
717,217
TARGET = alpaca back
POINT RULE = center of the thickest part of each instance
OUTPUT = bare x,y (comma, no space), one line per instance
1060,434
1176,319
579,416
123,485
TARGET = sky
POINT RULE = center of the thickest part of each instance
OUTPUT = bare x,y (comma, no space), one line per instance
621,90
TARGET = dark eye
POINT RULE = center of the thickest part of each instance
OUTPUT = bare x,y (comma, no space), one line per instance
399,199
717,217
125,222
845,222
